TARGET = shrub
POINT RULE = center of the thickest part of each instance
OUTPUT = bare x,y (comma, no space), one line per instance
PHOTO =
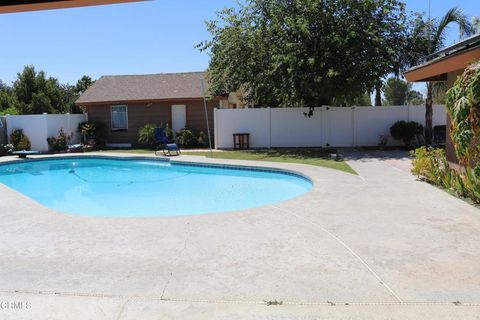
88,130
60,142
405,131
168,131
431,165
146,135
19,140
463,108
191,138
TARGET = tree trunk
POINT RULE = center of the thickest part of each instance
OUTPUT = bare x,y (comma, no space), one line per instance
429,114
378,95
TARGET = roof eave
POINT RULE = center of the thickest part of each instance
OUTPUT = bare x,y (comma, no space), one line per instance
48,5
436,70
137,101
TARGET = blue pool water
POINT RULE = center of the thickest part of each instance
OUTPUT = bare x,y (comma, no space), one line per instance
128,188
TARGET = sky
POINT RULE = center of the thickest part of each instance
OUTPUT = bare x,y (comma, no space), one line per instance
133,38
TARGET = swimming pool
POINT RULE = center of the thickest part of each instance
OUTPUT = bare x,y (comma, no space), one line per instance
114,187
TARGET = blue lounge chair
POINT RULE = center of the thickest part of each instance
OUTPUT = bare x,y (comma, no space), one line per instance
164,144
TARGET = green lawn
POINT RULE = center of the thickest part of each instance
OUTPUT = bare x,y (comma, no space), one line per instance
313,156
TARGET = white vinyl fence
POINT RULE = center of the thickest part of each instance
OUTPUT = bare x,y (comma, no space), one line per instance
38,127
329,126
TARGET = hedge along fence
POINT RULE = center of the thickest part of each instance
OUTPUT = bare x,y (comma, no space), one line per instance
329,126
38,127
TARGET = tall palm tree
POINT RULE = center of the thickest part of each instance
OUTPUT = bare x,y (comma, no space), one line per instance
476,25
435,31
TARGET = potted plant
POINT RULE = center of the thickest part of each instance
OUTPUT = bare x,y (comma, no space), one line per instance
88,130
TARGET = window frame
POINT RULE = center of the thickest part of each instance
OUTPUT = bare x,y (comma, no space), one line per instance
111,117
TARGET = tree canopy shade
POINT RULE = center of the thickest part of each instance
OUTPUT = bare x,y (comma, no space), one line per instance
291,53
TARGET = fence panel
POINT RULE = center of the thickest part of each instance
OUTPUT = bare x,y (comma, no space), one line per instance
291,128
371,123
329,126
339,126
38,127
253,121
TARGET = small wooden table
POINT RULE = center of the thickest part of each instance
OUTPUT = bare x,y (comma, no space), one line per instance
241,141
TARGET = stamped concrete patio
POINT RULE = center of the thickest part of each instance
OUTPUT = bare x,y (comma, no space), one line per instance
377,245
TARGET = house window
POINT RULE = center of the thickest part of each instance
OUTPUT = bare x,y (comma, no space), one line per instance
119,118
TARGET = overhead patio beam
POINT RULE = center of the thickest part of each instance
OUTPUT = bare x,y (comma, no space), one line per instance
24,5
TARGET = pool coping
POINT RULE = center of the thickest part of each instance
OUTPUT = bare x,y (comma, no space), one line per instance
345,224
183,162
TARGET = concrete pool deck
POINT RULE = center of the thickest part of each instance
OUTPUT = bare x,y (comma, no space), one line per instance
377,245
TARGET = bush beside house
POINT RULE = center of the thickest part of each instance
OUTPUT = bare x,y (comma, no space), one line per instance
463,108
185,138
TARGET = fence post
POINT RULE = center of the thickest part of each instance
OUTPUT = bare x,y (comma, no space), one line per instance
325,125
354,127
7,120
268,126
215,127
322,127
408,114
69,124
45,121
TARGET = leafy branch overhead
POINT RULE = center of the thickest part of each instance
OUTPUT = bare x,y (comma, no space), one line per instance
304,52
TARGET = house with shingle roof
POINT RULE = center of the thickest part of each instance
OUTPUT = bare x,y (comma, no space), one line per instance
123,104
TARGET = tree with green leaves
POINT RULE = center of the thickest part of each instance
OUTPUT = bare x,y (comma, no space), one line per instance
427,36
34,93
83,84
415,98
396,91
304,53
475,25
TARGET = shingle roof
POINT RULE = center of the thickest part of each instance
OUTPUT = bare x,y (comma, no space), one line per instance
464,45
161,86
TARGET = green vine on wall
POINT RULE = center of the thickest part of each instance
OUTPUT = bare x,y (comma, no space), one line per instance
463,108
